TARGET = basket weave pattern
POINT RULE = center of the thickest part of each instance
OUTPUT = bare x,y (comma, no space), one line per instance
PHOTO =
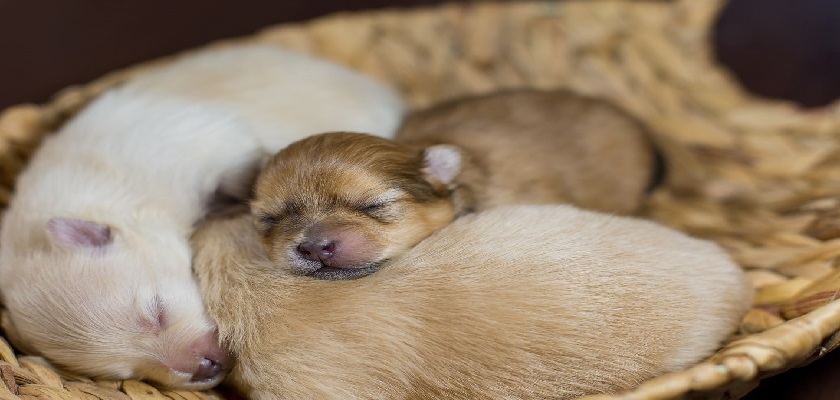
757,177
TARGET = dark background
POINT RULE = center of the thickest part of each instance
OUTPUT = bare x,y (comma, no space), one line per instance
786,49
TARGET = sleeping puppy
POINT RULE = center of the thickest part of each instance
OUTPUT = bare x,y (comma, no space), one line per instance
95,261
512,302
542,147
339,205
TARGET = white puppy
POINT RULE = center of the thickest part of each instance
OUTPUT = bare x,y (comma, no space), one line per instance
94,248
511,302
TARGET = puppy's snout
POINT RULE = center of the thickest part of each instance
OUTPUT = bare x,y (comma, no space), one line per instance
209,369
328,246
205,361
317,250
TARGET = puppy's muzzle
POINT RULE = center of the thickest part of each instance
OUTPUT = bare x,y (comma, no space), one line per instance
321,260
209,369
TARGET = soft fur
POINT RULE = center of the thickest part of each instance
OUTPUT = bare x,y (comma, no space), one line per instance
94,248
339,205
512,302
541,147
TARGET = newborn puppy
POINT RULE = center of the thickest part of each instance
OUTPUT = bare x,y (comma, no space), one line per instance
95,261
511,302
338,205
542,147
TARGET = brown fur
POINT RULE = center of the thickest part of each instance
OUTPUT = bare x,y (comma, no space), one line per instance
367,193
542,147
513,302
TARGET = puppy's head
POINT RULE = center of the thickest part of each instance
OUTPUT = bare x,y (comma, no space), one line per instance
100,301
338,205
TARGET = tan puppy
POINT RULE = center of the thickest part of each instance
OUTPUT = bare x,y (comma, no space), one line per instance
542,147
512,302
338,205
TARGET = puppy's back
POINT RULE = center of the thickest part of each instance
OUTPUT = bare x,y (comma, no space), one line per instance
537,301
283,95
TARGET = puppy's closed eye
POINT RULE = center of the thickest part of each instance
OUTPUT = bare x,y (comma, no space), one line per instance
383,208
382,212
373,208
382,203
156,318
264,222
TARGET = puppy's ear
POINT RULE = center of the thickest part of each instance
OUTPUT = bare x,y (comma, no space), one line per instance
442,164
11,333
77,233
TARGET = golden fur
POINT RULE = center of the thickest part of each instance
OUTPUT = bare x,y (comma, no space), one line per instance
366,194
513,302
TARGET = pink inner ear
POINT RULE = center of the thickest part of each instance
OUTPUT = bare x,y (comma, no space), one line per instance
75,233
442,163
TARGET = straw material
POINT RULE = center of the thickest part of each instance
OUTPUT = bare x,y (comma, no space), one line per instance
757,177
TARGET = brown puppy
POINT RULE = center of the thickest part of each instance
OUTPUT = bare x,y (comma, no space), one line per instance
513,302
542,147
338,205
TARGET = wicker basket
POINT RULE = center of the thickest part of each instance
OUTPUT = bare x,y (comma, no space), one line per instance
755,176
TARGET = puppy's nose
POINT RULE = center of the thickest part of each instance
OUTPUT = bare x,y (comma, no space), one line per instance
208,369
317,250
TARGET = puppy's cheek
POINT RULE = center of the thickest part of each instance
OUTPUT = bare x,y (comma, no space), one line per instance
273,247
397,246
406,236
360,247
280,254
425,220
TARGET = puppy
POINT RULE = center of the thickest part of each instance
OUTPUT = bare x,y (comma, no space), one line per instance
542,147
339,205
512,302
94,248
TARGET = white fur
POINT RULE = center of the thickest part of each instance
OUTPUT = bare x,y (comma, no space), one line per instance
144,159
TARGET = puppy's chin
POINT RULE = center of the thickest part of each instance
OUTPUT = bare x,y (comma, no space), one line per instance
318,270
340,274
183,381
